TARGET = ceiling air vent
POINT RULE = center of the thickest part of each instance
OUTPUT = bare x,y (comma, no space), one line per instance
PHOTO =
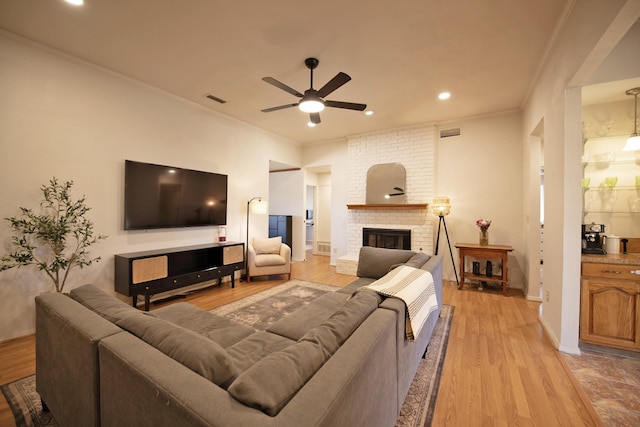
215,98
450,132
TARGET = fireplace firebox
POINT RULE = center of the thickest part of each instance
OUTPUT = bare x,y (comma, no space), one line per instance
389,238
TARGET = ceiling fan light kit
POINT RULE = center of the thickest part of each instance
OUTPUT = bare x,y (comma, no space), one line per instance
312,101
311,105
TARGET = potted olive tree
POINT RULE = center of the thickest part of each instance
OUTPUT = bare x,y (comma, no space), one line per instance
56,239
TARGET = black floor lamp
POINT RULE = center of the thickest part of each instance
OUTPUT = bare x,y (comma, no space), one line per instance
258,206
441,207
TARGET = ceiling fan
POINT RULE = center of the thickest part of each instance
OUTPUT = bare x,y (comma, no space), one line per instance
312,101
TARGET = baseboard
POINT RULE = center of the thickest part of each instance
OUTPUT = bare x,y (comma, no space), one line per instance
548,332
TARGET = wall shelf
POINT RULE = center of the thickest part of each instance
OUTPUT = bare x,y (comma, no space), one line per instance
389,206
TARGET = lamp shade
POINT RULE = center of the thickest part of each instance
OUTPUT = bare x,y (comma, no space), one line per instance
259,207
441,206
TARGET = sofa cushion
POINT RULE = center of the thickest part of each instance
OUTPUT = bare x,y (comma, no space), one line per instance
247,352
274,380
356,284
298,323
376,262
107,306
416,261
334,331
223,331
267,246
196,352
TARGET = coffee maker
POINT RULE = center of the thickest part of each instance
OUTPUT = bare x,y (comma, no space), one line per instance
592,239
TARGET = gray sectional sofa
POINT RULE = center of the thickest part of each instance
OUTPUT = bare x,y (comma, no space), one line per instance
341,360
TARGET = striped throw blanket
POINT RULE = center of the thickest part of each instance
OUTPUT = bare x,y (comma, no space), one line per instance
413,286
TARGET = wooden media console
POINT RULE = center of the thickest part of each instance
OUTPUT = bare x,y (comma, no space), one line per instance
152,272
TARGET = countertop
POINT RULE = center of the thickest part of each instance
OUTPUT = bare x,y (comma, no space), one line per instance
624,259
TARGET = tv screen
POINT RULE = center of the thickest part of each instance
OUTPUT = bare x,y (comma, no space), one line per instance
167,197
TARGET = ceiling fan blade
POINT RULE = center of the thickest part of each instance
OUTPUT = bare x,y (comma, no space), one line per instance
280,107
315,118
282,86
333,84
347,105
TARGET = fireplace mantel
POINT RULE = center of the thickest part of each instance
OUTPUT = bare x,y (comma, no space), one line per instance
389,206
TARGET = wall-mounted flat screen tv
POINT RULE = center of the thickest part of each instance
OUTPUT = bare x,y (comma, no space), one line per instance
157,196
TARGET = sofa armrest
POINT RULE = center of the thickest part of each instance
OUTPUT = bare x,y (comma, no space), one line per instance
285,252
67,379
136,375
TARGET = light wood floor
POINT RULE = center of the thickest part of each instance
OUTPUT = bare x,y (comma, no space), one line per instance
500,369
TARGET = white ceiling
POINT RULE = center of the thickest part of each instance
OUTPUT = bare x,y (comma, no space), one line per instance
400,54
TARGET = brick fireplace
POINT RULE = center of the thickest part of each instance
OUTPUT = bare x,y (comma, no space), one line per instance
414,148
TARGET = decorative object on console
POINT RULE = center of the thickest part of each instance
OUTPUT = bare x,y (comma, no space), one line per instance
483,225
55,240
633,143
222,234
441,206
476,268
257,206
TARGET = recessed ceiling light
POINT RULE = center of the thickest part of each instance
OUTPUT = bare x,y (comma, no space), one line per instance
75,2
368,112
444,95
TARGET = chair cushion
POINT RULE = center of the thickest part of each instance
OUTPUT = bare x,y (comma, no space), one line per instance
266,260
267,246
196,352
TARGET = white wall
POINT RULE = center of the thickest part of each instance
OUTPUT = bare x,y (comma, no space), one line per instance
65,118
481,172
287,197
588,36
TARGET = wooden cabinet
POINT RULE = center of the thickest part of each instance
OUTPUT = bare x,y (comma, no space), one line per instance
610,305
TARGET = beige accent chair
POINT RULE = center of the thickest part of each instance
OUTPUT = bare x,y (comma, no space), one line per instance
268,257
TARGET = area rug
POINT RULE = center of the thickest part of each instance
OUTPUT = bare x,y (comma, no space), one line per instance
259,311
25,403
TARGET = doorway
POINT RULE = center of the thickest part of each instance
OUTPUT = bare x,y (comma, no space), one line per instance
318,201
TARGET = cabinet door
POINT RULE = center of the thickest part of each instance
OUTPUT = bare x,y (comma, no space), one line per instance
610,312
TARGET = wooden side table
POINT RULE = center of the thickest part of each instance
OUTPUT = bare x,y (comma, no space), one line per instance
484,253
